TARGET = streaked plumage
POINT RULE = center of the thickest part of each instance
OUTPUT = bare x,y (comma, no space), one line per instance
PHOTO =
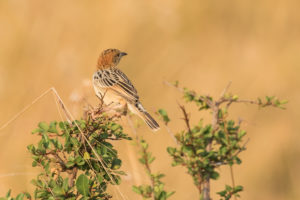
114,85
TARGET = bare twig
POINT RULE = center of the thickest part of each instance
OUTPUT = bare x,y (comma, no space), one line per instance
243,147
186,117
225,89
172,85
171,134
232,178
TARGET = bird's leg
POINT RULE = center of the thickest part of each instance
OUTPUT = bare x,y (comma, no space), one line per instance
94,111
101,108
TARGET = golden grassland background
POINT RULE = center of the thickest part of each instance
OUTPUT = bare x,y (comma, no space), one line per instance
204,44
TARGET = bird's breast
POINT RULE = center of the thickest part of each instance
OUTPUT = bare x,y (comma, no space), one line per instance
107,95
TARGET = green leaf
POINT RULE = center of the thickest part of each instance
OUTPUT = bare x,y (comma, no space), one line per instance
79,160
162,195
116,164
34,163
241,134
142,160
159,176
151,159
36,183
82,185
284,101
70,164
28,196
37,130
238,188
222,193
58,191
20,196
66,184
214,175
31,148
8,193
100,178
45,140
52,128
228,188
235,97
170,194
115,127
144,144
62,125
136,189
164,115
44,126
171,150
188,150
238,160
269,99
223,150
86,156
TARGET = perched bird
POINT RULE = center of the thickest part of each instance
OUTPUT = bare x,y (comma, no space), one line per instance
113,86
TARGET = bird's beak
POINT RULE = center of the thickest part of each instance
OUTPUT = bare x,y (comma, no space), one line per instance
123,54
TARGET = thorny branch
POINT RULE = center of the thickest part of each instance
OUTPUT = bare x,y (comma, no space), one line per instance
186,117
218,123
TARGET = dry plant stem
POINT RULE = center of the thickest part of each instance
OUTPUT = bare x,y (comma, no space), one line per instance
171,134
232,178
24,109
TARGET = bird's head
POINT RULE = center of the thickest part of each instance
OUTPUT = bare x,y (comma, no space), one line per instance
110,58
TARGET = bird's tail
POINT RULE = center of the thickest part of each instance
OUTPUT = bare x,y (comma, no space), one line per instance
140,111
150,121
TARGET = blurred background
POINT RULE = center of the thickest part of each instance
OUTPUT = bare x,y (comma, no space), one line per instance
203,44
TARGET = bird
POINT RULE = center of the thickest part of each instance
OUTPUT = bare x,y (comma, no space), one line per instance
114,87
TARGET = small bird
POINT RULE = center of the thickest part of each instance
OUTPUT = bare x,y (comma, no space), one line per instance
113,86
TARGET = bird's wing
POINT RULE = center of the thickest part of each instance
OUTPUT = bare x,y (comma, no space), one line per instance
118,82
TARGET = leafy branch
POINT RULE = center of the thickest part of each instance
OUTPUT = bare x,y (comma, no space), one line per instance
68,154
203,148
156,190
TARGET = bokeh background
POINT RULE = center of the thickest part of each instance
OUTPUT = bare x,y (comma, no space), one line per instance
203,44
